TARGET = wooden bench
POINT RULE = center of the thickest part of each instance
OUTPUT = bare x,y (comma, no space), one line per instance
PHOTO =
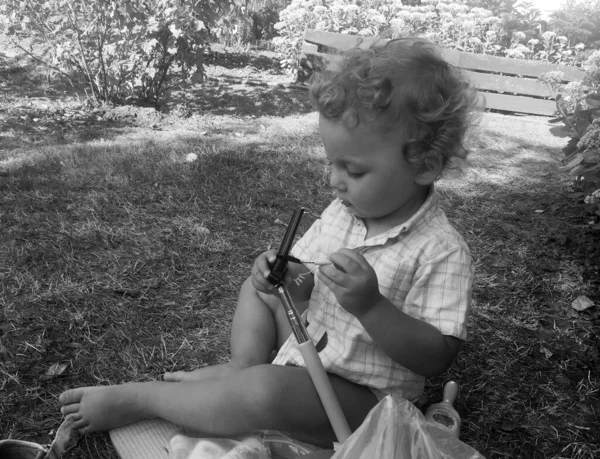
507,84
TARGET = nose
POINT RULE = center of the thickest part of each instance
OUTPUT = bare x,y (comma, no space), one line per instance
336,179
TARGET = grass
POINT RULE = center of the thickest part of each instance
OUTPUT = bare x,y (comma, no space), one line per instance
119,261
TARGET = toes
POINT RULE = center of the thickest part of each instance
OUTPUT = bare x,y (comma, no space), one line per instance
81,426
176,376
73,417
71,396
70,409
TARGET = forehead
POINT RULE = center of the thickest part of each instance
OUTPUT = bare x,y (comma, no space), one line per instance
338,138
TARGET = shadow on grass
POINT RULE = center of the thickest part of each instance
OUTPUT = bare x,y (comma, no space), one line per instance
123,261
241,100
27,79
236,60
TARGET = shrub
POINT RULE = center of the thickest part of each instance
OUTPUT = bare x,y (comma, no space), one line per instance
451,24
263,23
131,49
341,16
234,28
580,110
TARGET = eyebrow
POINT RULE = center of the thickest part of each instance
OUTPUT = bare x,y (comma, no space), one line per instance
350,162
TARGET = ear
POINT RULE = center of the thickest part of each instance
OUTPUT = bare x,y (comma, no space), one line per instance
430,171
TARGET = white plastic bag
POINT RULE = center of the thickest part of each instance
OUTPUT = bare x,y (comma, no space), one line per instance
396,429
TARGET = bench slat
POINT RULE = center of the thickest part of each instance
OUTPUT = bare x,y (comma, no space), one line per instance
337,40
506,65
519,104
513,85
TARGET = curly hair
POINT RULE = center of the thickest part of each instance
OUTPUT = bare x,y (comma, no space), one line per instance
404,84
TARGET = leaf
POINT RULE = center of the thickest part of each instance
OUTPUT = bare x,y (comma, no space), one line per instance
593,100
153,282
547,352
577,159
582,303
571,146
55,370
202,230
578,170
591,155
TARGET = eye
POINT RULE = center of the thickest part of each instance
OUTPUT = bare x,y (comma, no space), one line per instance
354,174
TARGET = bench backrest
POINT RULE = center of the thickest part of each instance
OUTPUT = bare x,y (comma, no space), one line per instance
507,84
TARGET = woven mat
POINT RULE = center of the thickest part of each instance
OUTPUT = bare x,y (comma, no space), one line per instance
144,440
150,439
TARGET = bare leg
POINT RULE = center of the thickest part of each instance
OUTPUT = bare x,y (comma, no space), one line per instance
258,397
259,326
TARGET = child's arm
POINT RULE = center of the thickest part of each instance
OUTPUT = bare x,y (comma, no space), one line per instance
413,343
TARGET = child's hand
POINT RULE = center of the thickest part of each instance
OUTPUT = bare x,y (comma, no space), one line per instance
261,270
352,280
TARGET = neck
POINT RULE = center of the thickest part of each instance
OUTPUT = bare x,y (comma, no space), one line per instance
376,226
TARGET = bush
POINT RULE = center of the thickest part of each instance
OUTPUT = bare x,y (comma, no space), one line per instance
450,24
263,23
234,28
369,18
132,49
580,110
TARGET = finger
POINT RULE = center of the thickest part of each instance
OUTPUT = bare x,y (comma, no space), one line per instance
355,255
263,266
331,285
262,285
333,275
345,262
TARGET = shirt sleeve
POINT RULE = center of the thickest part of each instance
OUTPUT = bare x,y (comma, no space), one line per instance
441,292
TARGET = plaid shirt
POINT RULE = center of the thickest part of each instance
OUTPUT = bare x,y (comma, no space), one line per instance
423,266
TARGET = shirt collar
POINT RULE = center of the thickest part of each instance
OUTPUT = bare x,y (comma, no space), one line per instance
423,214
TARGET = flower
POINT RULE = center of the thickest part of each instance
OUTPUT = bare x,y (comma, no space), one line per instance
490,35
518,36
515,53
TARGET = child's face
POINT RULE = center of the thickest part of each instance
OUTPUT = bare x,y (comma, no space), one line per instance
370,175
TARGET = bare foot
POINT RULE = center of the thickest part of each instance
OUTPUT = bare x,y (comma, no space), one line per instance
101,408
203,374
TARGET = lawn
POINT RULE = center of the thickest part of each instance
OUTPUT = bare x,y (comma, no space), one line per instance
120,259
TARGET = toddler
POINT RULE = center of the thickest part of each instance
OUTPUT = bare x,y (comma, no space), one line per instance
390,309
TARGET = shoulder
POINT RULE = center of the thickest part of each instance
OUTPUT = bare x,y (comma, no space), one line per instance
435,236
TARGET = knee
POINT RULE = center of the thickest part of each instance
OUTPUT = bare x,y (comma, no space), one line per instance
263,396
262,387
271,301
